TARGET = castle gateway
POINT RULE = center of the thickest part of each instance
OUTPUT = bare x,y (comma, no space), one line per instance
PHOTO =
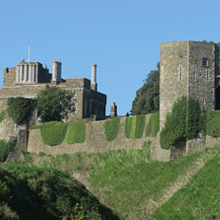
192,69
27,79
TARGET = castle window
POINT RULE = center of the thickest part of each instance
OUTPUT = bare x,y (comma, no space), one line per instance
180,72
74,106
204,62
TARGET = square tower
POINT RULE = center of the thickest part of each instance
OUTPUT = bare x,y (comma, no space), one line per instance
187,68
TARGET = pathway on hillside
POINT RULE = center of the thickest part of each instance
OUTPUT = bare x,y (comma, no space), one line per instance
179,183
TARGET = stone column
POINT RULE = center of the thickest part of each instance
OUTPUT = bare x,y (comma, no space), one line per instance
25,73
21,73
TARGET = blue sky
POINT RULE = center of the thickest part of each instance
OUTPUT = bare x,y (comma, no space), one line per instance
122,37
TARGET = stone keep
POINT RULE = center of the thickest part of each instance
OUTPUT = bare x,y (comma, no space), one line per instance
192,69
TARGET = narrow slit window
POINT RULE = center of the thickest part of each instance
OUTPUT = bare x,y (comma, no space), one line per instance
180,72
204,62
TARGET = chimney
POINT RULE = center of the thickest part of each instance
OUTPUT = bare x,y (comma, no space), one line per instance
93,81
56,72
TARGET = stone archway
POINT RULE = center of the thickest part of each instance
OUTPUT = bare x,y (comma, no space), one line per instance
217,98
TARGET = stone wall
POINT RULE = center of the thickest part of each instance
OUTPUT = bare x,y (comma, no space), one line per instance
174,57
202,78
9,76
95,141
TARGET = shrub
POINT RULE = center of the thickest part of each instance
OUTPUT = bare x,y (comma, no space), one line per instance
2,115
134,126
128,127
140,123
112,127
76,133
153,125
5,149
53,133
19,109
213,123
182,123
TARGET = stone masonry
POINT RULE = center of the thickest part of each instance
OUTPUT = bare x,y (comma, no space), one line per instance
192,69
27,79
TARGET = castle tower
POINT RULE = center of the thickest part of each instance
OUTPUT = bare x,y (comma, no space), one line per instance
56,72
188,68
93,78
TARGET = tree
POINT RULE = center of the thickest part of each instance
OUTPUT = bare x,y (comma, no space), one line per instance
19,109
53,103
147,97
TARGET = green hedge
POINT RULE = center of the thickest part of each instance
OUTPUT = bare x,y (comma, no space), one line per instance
5,149
112,127
76,133
140,124
213,123
53,133
183,123
153,125
134,126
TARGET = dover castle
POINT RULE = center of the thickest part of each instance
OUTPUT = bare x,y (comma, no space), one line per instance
27,79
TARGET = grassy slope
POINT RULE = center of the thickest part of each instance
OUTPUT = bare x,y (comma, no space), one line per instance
199,199
126,180
41,193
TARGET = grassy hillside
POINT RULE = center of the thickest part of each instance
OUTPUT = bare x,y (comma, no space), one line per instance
40,193
127,180
199,199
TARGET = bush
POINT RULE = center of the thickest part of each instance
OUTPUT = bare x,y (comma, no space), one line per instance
5,149
153,125
134,126
76,133
140,123
112,127
2,115
184,122
19,109
213,123
53,133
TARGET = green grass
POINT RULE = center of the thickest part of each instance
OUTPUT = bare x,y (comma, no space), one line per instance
125,179
199,199
76,133
112,127
36,194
